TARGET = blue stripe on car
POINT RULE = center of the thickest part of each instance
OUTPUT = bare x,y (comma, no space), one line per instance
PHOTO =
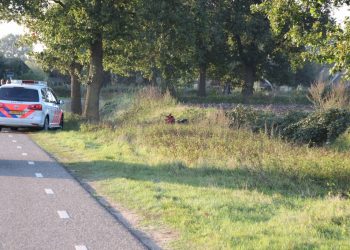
8,111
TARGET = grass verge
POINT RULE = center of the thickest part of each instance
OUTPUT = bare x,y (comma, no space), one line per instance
210,186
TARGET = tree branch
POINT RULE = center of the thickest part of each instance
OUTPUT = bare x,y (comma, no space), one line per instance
59,2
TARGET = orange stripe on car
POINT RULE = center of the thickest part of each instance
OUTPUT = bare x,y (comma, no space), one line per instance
5,113
27,114
16,107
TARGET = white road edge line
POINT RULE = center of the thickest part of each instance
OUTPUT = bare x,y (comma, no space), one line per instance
81,247
10,135
63,214
39,175
31,162
49,191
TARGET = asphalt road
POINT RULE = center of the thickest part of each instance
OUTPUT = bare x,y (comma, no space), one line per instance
43,207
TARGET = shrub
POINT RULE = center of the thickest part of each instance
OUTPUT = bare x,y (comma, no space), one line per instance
343,142
274,125
313,129
318,128
242,116
326,97
72,121
262,121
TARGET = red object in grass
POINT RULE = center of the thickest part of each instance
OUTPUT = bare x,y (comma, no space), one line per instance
170,119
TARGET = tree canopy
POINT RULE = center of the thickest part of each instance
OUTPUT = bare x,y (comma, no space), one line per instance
175,41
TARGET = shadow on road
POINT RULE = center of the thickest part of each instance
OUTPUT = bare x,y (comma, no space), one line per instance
21,168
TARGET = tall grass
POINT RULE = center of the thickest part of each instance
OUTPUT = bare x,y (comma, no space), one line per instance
326,97
146,104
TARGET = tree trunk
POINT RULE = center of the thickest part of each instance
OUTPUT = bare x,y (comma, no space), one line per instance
75,93
248,85
202,81
91,109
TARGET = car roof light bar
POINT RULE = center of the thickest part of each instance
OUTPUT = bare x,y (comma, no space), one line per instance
30,82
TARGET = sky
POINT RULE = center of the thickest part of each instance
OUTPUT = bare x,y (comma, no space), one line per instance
10,28
341,13
13,28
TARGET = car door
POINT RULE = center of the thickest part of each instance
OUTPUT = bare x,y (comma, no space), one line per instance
48,109
55,111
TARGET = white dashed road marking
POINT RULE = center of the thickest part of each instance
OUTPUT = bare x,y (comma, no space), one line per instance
24,154
39,175
81,247
14,141
19,147
31,162
63,214
9,135
49,191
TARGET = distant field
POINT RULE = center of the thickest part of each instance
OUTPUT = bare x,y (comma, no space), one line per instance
203,185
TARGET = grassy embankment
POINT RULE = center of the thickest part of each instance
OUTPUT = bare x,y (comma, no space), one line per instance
213,187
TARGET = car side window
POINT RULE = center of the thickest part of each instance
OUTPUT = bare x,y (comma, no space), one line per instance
54,95
45,95
51,96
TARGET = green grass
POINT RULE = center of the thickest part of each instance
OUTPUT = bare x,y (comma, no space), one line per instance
343,142
211,186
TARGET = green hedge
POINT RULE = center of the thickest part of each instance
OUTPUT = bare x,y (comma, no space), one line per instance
314,129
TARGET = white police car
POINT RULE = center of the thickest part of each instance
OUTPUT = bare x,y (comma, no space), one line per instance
27,103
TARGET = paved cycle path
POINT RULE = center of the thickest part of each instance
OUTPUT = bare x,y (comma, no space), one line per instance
43,207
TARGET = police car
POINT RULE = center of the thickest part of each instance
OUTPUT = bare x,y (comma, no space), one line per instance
29,104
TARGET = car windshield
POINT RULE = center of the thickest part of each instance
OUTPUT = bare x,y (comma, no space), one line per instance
19,94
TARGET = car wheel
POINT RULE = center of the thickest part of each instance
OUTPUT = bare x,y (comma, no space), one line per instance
62,123
46,124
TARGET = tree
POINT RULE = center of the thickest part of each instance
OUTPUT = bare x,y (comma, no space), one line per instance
253,51
11,48
55,30
94,22
156,44
13,65
307,24
97,22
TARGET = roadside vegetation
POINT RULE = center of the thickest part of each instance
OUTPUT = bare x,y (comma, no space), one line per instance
258,98
234,178
224,180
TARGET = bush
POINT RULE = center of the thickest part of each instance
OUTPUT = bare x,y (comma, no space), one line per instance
313,129
246,117
72,121
318,128
275,125
243,117
325,96
262,121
